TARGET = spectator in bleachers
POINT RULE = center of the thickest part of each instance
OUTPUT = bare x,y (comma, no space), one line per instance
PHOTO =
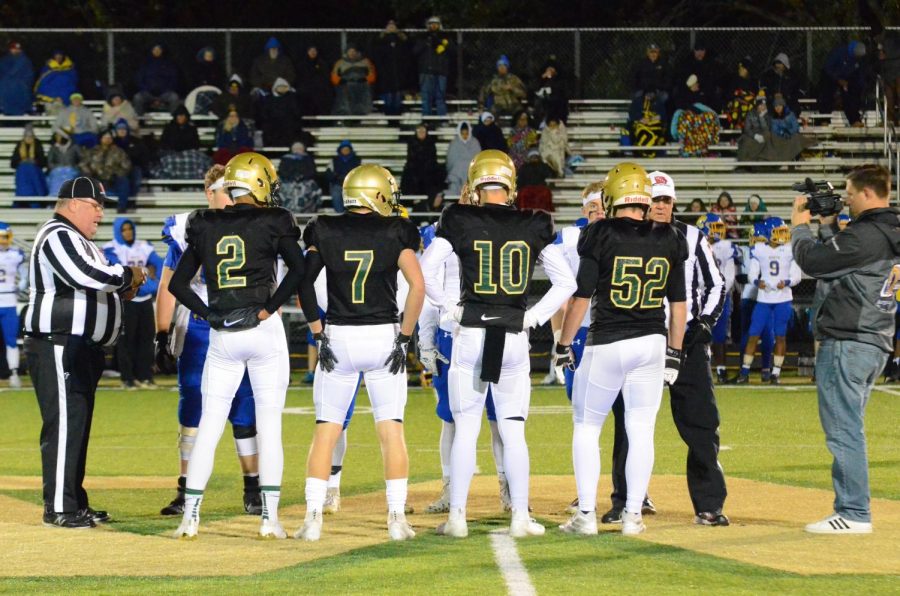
341,164
393,62
233,99
707,70
787,140
754,210
778,81
489,135
433,52
652,77
233,136
16,79
504,93
57,81
694,124
764,139
280,115
554,146
353,76
157,82
313,84
78,122
842,76
460,152
180,134
138,153
531,180
116,108
724,207
29,161
550,97
697,206
742,92
63,160
110,165
297,172
522,138
422,175
207,70
269,66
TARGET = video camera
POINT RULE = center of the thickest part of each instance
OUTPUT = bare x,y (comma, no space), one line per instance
821,198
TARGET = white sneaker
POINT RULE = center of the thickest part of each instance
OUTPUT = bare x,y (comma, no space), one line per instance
455,525
835,524
188,528
332,501
550,379
632,523
398,528
581,523
272,529
14,381
505,500
312,526
442,504
523,525
560,375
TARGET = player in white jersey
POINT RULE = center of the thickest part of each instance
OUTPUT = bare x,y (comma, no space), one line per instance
773,270
13,279
724,253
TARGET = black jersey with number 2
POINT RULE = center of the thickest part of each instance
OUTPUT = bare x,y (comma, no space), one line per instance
629,267
360,253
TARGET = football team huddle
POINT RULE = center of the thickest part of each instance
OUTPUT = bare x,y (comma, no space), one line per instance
369,281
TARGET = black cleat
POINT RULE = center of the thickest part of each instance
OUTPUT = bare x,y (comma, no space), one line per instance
77,520
647,507
252,498
98,517
741,380
775,380
722,378
176,507
613,516
711,518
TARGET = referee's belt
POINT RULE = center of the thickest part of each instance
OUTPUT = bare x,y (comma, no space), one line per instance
61,339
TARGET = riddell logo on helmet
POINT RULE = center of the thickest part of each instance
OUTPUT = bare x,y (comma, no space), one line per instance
634,199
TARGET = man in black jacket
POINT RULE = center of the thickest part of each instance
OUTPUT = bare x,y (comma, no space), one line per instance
433,52
652,76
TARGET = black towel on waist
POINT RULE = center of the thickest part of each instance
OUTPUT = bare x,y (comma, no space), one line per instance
492,354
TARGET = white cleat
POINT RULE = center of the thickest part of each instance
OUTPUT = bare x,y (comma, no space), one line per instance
581,523
332,501
271,530
572,508
632,523
835,524
398,528
505,499
312,527
442,504
14,381
455,525
188,529
523,525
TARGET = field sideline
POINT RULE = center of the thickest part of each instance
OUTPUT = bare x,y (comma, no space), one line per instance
773,453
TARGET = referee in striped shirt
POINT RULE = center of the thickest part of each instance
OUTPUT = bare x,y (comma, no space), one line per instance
74,310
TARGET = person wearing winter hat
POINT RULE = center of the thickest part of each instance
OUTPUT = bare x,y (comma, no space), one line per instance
117,107
842,75
157,82
270,65
504,93
16,80
489,135
779,81
233,99
77,121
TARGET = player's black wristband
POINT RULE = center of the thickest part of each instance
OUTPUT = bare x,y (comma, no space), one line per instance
403,339
563,349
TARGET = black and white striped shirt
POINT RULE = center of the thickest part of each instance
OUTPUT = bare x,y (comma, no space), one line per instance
73,286
704,283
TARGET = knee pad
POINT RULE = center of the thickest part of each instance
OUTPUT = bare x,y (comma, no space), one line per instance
243,432
187,436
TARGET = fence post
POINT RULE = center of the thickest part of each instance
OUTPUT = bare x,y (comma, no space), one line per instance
577,41
809,55
459,64
110,59
343,41
693,38
228,69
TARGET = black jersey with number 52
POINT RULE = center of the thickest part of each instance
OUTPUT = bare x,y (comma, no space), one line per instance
238,247
629,267
497,247
360,253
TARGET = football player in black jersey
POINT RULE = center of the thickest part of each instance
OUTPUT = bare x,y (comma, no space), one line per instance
238,248
497,247
628,267
361,251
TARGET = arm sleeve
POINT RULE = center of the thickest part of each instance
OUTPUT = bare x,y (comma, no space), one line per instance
289,250
562,281
713,283
754,270
428,324
829,260
432,269
111,255
307,291
675,292
73,263
796,274
180,285
321,287
588,275
728,272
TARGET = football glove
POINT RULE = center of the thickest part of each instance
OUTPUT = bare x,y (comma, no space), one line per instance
396,362
700,331
429,357
529,320
165,361
326,356
673,365
563,357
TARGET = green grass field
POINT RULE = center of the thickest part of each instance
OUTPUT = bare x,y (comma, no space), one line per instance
773,452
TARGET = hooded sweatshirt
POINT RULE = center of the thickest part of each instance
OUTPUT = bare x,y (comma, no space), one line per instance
342,164
138,253
459,153
180,137
280,116
265,70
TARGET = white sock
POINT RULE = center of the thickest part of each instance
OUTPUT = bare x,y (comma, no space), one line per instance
462,459
316,489
720,369
586,459
777,363
639,424
337,460
515,461
748,360
192,504
268,439
270,497
334,479
396,495
448,429
12,359
497,448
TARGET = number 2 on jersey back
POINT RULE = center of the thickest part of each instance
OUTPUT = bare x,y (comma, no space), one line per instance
235,257
364,260
635,283
513,279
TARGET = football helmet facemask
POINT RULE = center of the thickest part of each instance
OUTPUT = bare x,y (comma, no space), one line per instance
779,232
627,185
255,174
492,167
372,187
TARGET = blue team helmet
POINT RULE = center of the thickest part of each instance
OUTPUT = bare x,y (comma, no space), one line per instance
712,226
843,217
5,231
760,232
779,232
427,233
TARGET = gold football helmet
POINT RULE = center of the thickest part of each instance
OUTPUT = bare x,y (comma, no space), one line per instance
255,174
492,167
627,185
371,187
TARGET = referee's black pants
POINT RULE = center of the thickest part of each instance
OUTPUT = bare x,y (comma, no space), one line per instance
134,349
65,371
696,417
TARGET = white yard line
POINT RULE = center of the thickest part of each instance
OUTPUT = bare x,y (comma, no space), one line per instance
514,573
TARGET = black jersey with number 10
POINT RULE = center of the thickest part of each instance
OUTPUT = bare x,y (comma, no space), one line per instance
360,252
629,267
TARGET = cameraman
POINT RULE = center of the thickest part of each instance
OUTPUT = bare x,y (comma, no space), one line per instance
855,325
